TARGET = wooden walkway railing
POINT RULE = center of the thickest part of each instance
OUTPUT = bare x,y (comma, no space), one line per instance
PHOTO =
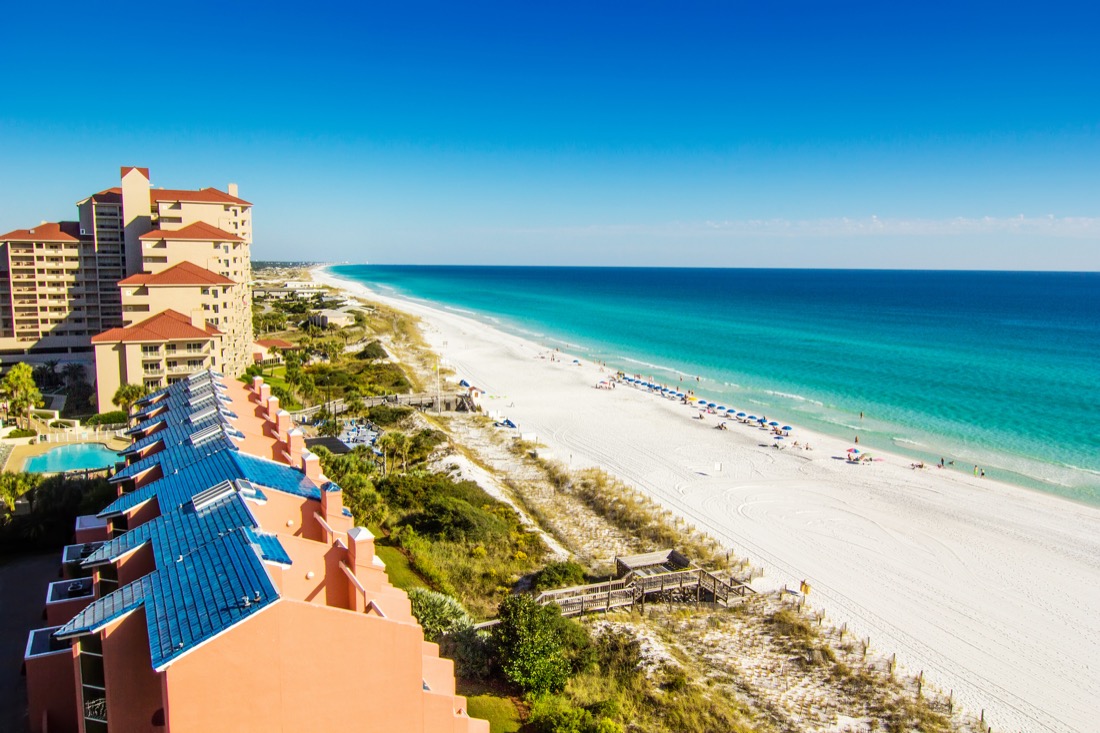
634,588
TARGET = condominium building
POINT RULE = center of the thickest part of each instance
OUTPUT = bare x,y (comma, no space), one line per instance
134,252
226,588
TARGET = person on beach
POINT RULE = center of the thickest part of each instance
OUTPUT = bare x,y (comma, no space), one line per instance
983,473
857,440
941,461
861,414
975,470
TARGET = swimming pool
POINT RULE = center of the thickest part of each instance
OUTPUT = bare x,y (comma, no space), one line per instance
71,458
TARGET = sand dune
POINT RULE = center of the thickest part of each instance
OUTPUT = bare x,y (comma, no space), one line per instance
991,589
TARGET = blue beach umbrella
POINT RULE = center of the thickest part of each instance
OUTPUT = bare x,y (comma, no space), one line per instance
712,404
774,424
760,420
740,414
752,417
721,407
786,427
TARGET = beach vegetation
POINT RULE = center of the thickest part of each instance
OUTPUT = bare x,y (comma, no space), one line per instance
23,433
531,651
388,415
560,574
438,613
373,351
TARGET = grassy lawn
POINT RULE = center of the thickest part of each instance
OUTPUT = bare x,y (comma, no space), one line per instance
499,711
397,567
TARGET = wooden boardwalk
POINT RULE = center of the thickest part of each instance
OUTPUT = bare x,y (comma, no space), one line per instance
448,402
636,588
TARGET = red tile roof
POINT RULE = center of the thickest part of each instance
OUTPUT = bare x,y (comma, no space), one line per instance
108,196
200,231
127,168
167,325
64,231
204,195
185,273
274,344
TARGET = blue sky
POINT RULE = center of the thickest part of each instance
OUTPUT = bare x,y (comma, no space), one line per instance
715,134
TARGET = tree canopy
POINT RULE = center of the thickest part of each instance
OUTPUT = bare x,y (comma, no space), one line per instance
20,391
127,395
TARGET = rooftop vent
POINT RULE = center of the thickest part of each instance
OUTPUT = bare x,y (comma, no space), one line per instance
213,494
205,434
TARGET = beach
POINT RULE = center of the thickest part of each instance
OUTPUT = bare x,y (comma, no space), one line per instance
990,589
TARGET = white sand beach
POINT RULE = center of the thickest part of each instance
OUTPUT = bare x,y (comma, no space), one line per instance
990,589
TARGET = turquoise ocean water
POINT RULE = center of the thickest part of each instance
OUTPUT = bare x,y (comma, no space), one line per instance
991,368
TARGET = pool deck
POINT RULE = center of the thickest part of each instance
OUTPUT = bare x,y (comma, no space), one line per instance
20,453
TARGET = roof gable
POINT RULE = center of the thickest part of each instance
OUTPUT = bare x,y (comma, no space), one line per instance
167,325
184,273
198,231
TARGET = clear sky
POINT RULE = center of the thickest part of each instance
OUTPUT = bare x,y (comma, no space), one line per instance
816,134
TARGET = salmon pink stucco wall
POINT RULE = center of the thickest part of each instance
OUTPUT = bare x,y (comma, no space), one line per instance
51,689
133,686
298,666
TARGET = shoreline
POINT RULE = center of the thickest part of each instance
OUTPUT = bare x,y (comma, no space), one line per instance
995,606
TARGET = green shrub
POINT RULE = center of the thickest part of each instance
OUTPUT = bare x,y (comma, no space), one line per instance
531,653
386,415
22,433
437,613
471,650
451,518
115,417
558,575
372,351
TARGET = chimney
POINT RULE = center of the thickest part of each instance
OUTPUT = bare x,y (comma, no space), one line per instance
332,505
256,382
311,466
272,407
265,393
360,549
295,444
282,425
232,190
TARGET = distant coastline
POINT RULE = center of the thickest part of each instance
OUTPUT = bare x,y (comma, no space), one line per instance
1010,442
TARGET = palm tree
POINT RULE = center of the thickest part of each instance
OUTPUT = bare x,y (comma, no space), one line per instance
127,395
387,444
74,373
20,390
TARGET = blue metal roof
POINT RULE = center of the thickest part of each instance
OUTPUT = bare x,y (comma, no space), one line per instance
189,600
108,608
175,489
177,395
178,532
175,457
271,549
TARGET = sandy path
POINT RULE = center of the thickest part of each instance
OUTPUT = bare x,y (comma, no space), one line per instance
991,589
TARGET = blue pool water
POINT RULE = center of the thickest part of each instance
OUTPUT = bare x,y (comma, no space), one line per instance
72,457
992,368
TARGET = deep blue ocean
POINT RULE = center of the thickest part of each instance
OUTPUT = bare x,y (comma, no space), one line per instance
999,369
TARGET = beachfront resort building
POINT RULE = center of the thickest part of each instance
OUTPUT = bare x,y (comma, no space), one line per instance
227,588
94,289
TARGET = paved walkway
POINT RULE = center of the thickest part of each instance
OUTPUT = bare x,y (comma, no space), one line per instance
23,581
